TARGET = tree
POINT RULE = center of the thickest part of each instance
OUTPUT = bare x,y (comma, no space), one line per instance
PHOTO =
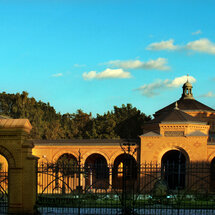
129,121
122,122
104,126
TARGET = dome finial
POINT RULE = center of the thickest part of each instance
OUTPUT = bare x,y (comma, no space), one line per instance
187,90
176,106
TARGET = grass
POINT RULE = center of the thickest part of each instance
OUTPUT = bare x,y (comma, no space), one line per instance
101,201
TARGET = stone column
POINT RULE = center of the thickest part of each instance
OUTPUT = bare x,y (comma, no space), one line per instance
110,178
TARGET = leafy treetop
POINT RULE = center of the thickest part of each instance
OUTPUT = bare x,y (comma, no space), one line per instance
121,122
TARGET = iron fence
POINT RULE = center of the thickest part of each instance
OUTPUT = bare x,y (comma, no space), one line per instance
3,191
151,188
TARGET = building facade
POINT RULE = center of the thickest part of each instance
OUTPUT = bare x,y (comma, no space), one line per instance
186,127
181,134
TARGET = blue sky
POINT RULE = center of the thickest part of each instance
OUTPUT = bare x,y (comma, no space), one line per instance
94,54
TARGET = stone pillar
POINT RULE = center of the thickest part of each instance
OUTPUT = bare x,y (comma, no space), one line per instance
91,177
81,180
22,188
15,190
29,183
22,165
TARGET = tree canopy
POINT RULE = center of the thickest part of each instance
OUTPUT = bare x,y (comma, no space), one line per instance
121,122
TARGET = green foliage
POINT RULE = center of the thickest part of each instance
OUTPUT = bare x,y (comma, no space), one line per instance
121,122
129,121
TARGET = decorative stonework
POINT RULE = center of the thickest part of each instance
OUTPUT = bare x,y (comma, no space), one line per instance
175,126
197,144
15,124
149,145
6,137
174,133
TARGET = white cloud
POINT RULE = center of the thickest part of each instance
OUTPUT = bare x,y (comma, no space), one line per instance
163,45
153,89
202,45
107,74
158,64
208,95
197,32
181,80
150,90
57,75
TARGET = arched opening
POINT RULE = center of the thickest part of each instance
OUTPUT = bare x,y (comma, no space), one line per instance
66,170
67,164
97,171
124,171
3,185
212,175
173,165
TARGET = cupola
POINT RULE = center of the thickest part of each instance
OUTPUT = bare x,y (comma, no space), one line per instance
187,90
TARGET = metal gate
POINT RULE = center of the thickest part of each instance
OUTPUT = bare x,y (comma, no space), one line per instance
76,189
65,188
3,191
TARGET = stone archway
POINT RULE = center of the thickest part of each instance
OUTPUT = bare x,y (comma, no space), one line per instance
97,170
8,156
3,184
125,165
68,159
21,165
173,164
61,153
7,162
67,168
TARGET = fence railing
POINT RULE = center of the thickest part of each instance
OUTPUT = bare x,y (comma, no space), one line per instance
126,189
3,191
